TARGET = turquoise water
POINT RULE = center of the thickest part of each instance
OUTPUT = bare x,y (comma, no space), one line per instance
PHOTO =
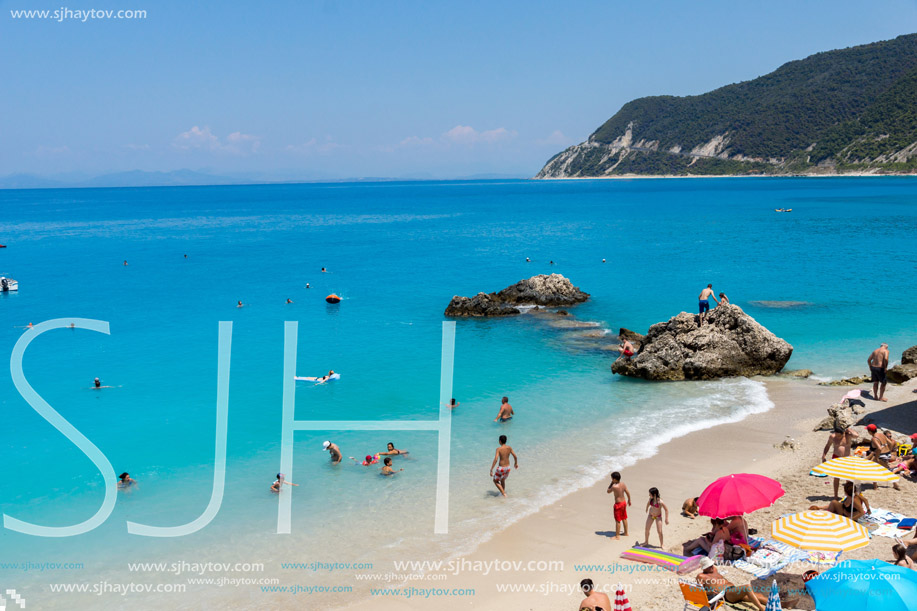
396,253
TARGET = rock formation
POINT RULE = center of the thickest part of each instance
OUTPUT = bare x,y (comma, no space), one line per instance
544,290
730,343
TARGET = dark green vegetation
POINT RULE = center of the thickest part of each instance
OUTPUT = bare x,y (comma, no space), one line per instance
848,110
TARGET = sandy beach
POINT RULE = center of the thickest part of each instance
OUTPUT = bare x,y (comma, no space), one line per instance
543,553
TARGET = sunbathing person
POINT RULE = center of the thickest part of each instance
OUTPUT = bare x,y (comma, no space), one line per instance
907,463
842,508
901,557
719,532
714,583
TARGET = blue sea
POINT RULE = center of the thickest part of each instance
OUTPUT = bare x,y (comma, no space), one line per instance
834,277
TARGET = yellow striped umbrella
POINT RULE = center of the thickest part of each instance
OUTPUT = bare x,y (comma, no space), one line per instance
820,530
856,469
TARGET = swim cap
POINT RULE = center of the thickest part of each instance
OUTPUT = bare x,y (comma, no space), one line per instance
872,428
369,458
326,445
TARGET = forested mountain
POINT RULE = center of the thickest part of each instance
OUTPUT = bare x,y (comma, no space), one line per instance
850,110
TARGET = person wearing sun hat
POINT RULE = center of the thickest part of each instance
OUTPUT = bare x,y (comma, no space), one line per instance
334,450
713,583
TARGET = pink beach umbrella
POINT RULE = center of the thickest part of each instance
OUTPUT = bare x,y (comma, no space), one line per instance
738,494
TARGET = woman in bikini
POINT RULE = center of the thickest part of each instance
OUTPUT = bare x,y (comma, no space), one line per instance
901,557
654,509
842,508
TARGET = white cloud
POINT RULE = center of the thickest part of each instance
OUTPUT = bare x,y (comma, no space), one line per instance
201,138
556,138
314,146
464,134
51,151
414,141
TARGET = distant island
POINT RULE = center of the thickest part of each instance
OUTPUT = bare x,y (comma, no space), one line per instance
848,111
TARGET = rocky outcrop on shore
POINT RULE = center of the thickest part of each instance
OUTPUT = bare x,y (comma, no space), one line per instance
545,290
730,343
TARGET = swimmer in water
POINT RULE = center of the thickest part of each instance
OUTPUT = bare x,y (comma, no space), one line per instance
239,305
278,484
72,326
333,450
369,460
98,383
325,378
289,300
392,451
324,270
387,467
125,481
527,260
453,403
125,263
603,260
552,263
307,286
506,411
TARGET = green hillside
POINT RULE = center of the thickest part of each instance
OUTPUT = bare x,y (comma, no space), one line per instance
848,110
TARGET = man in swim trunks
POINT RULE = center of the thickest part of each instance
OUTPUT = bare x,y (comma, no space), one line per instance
334,450
506,411
626,348
622,500
703,302
713,583
878,366
502,471
594,600
840,441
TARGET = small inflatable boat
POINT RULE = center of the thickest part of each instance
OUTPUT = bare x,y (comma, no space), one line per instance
8,284
332,298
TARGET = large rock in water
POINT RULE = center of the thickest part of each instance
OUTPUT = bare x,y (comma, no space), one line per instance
909,356
549,291
731,343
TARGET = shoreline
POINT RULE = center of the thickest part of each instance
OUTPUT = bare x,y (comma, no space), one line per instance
671,176
575,529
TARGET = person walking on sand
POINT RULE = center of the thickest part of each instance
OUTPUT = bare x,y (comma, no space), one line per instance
622,500
502,470
878,367
654,509
703,302
594,600
840,442
506,411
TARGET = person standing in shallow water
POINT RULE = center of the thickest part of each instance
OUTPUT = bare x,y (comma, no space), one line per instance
703,301
506,411
502,470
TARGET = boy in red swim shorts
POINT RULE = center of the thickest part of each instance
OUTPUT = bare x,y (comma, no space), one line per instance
622,500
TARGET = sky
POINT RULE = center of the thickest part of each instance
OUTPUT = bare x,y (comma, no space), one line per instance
331,89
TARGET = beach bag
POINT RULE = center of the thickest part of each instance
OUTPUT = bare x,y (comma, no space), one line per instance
733,553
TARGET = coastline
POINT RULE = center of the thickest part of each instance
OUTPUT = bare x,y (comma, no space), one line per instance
670,176
573,531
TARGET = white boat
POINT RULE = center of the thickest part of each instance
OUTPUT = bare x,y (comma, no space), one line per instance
8,284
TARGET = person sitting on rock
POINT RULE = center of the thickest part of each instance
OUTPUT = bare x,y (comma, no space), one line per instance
626,348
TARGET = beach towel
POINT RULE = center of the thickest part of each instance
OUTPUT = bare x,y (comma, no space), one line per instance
822,558
666,560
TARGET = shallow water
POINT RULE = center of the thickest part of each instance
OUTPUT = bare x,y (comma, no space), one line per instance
396,253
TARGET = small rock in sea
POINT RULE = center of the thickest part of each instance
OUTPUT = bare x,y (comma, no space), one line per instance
544,290
562,312
730,343
854,381
797,373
